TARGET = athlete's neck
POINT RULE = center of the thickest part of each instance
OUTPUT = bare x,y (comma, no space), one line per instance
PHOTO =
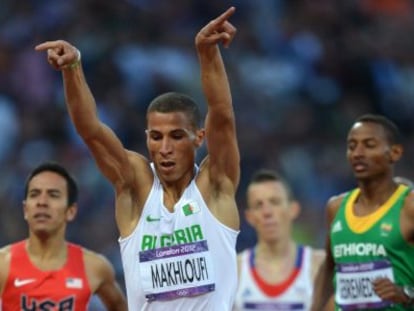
172,191
374,195
275,250
47,254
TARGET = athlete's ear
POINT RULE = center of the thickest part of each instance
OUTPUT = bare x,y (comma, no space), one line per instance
71,212
295,209
199,137
249,218
24,210
396,153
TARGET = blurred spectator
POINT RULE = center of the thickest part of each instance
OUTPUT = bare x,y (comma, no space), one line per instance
301,71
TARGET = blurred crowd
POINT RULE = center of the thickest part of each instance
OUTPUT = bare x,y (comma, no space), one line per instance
300,71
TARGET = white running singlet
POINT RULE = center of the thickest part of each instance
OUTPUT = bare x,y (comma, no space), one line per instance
184,260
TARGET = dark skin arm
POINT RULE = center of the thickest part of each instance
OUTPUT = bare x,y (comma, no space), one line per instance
383,287
388,290
323,287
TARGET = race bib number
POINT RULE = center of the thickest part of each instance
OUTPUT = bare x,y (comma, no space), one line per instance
354,284
184,270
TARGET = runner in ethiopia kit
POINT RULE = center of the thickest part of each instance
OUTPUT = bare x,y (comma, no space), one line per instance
370,247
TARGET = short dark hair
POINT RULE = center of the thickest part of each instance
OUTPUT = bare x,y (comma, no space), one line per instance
54,167
391,129
264,175
176,102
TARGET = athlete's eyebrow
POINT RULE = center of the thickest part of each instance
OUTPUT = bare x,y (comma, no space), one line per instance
190,134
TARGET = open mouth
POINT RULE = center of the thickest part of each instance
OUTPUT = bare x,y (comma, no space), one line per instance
167,166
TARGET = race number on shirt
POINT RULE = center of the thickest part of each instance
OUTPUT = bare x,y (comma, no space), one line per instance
177,271
354,284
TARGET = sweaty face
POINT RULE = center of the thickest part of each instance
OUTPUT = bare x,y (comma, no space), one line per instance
368,150
172,144
45,208
269,210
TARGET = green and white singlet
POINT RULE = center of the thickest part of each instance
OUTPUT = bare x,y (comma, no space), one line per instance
368,247
181,260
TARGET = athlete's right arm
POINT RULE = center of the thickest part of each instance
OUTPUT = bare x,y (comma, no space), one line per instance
101,140
323,286
113,159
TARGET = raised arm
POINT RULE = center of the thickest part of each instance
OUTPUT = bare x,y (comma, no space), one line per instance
101,140
116,163
224,158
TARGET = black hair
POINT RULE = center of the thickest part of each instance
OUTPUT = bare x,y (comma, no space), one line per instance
177,102
54,167
391,130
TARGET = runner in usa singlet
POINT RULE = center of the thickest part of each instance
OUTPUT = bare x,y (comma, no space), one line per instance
28,288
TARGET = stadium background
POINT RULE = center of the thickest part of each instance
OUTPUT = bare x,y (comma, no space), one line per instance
300,72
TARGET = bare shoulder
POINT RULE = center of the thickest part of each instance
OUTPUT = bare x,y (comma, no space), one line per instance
408,209
333,204
143,175
96,262
98,269
4,255
102,280
409,201
335,201
5,250
140,164
137,159
4,265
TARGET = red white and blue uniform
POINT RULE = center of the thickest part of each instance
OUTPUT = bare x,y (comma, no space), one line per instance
294,293
29,288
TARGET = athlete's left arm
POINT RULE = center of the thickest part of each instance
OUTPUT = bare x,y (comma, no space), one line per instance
407,218
384,287
223,161
103,283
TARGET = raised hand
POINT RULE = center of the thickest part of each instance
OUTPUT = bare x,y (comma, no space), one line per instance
219,30
60,54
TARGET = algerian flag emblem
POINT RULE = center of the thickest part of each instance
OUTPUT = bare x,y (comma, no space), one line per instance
190,208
